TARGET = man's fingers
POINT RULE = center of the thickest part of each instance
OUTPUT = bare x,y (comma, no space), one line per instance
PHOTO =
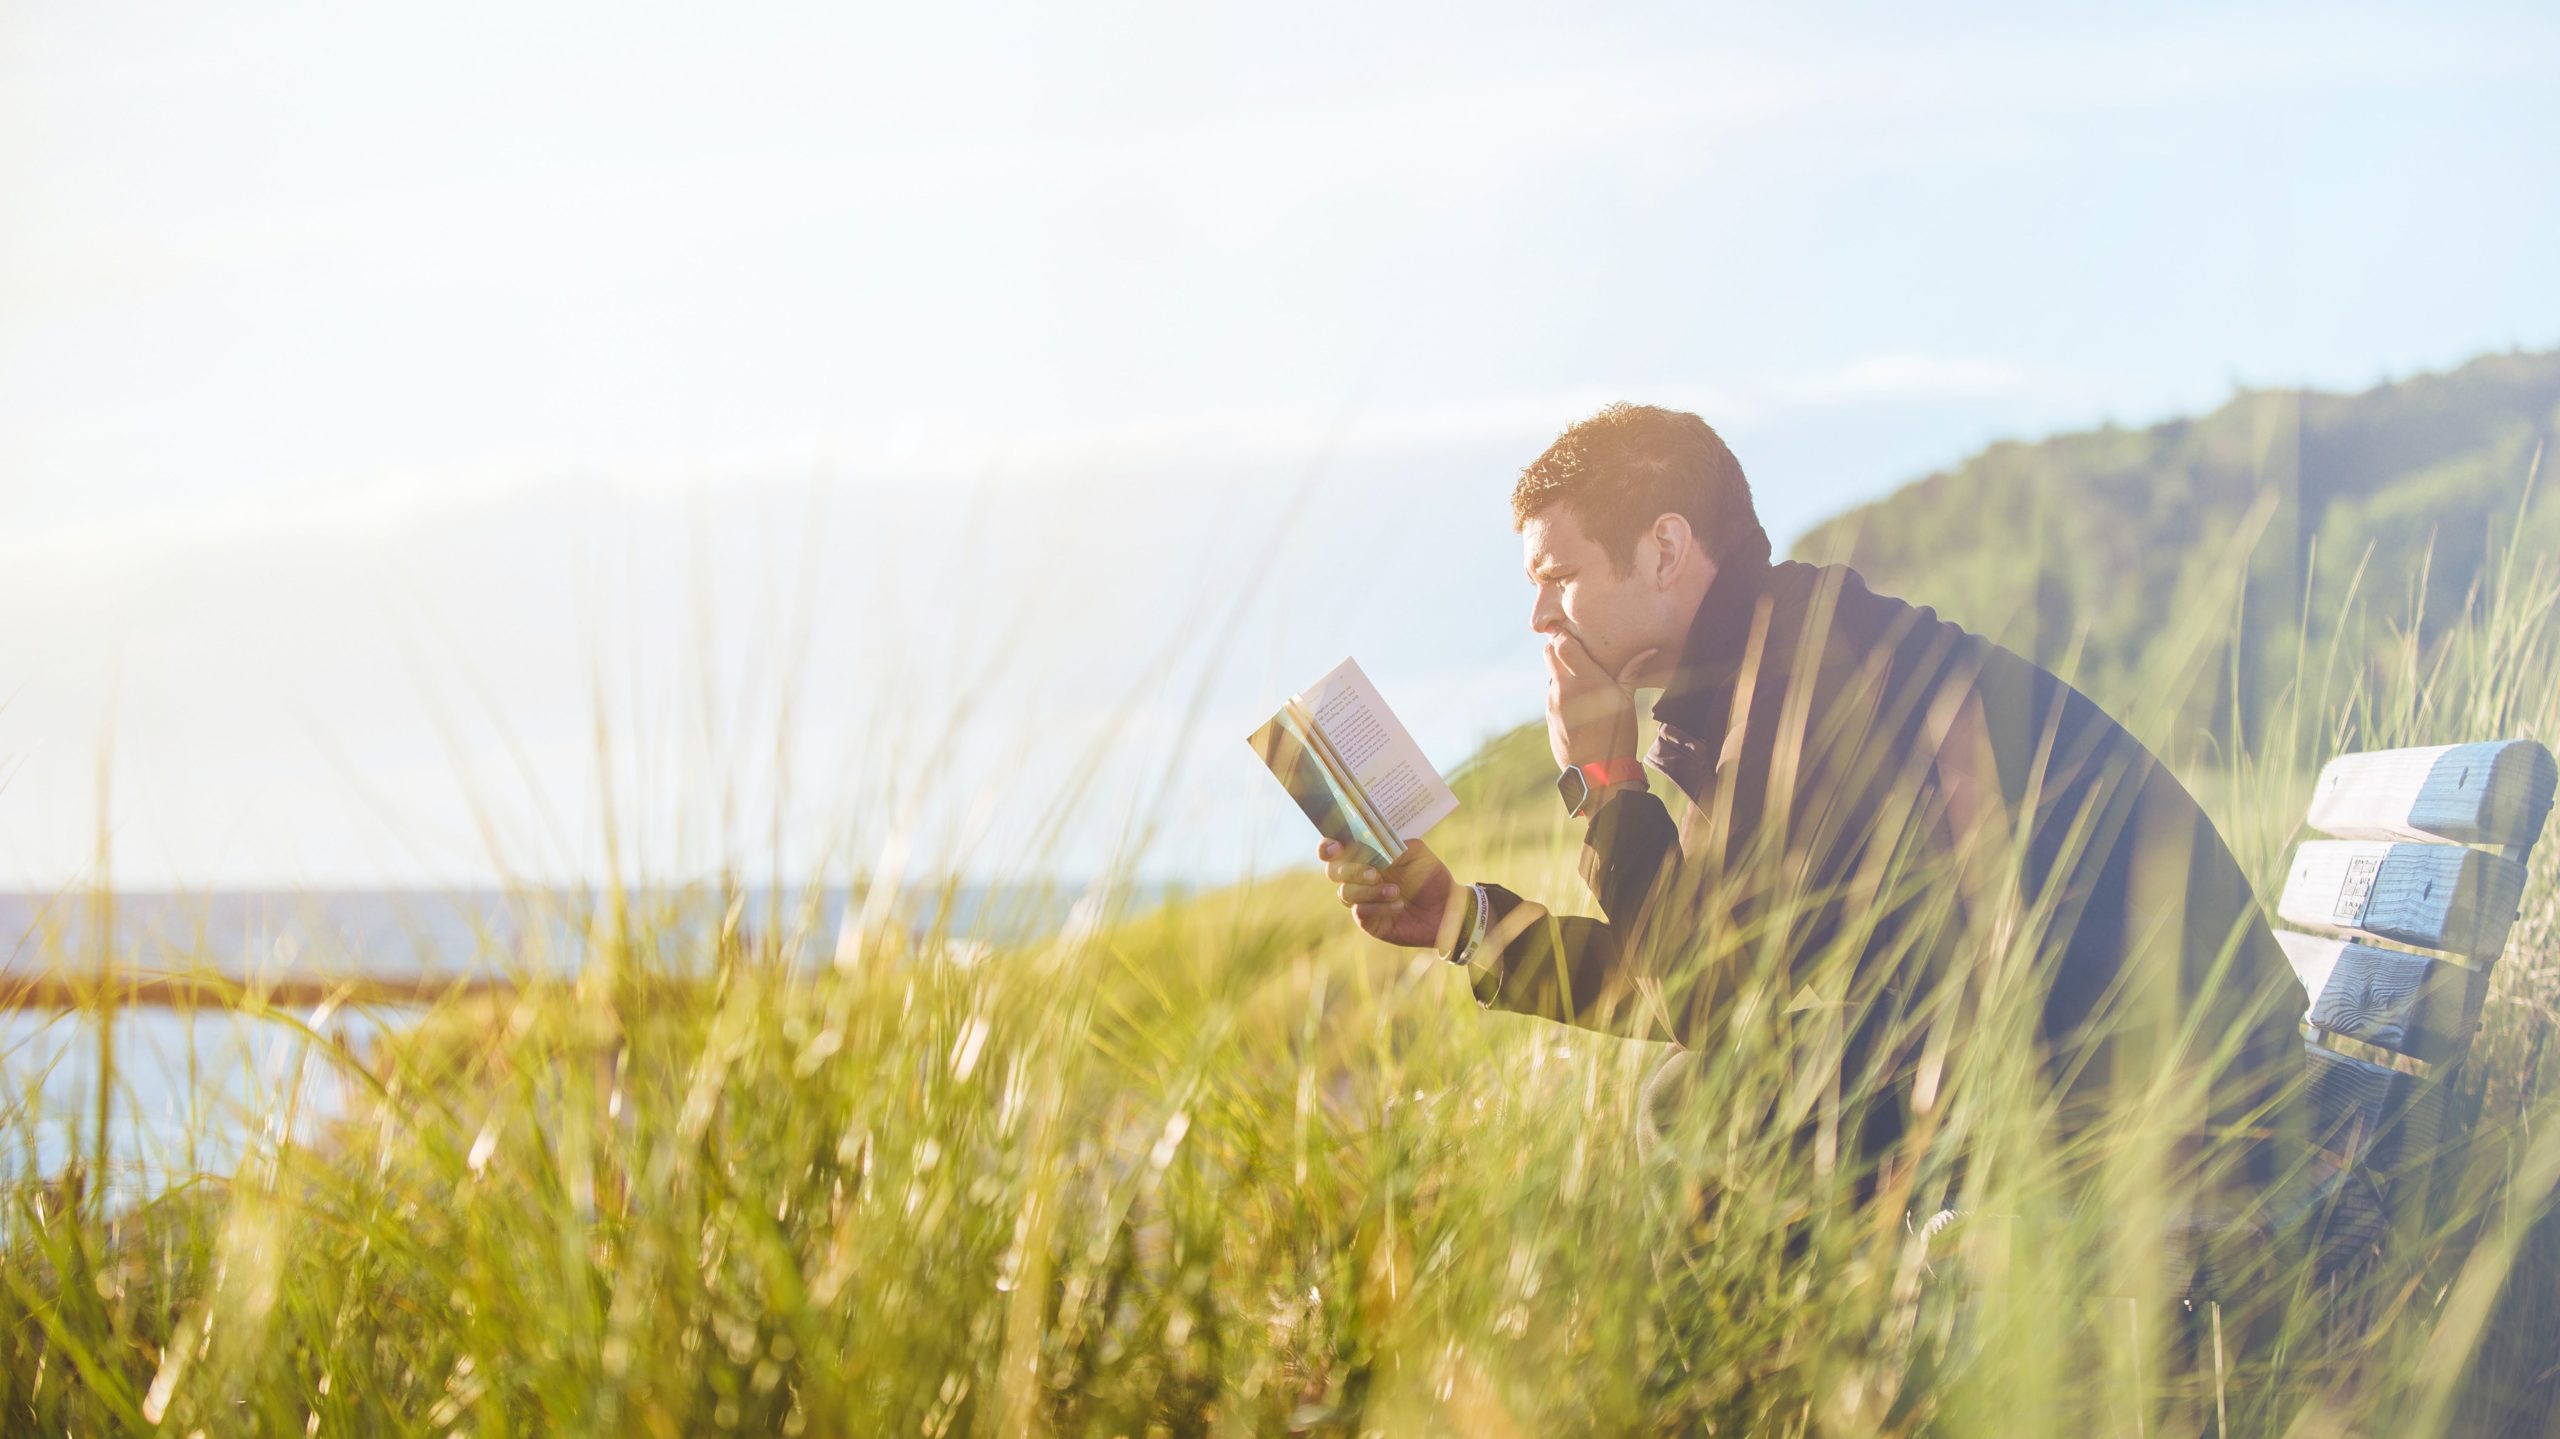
1375,917
1360,894
1328,849
1416,856
1350,868
1573,656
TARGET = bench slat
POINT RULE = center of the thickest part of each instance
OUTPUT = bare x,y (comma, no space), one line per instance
2382,1119
2494,792
2406,1003
2435,896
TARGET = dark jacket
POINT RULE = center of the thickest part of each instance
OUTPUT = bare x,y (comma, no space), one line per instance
1840,752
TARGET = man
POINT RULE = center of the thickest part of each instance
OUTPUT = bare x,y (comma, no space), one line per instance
1892,824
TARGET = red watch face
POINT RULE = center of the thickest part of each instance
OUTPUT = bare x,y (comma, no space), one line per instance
1613,771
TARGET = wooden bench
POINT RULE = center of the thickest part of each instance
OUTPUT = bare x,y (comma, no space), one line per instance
2397,919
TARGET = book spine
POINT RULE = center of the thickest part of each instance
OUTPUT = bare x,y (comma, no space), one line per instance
1350,784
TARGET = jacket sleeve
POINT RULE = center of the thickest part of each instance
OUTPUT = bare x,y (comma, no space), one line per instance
1581,971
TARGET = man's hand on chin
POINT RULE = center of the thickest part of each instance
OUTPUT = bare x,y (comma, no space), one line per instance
1591,713
1406,903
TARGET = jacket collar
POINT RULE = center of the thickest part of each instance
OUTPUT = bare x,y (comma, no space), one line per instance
1711,654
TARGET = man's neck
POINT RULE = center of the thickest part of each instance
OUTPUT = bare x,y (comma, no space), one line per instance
1718,625
1666,663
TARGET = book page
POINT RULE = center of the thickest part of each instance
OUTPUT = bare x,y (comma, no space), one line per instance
1390,769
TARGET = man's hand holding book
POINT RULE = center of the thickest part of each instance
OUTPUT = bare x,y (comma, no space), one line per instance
1408,903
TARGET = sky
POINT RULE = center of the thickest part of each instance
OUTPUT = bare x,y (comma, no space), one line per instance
510,441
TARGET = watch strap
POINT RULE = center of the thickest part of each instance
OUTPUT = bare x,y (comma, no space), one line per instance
1625,769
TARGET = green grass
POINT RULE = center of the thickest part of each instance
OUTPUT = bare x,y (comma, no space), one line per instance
1229,1168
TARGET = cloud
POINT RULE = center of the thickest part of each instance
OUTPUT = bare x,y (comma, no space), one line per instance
144,537
1881,378
951,450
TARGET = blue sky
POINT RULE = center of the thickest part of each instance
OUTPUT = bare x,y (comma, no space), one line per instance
374,385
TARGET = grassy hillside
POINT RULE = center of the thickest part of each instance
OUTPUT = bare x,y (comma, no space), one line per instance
2082,550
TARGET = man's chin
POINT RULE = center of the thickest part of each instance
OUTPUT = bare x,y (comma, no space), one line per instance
1616,667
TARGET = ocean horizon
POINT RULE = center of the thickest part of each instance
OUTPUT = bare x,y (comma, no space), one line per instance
189,1086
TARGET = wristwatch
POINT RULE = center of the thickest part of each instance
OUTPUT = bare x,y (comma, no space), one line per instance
1580,782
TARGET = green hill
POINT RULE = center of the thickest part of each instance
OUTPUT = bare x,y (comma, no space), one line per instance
2105,540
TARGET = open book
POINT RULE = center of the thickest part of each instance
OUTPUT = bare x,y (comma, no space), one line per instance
1347,761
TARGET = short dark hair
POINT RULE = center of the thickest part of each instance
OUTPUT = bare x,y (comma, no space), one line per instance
1628,466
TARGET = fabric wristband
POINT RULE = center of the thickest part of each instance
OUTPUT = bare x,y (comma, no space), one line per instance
1466,944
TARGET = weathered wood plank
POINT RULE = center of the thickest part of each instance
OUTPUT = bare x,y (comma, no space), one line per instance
2494,792
2406,1003
2386,1121
2338,1210
2435,896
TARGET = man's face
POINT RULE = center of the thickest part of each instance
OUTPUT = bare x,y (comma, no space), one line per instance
1581,593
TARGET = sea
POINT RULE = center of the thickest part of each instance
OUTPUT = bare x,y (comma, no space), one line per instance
190,1090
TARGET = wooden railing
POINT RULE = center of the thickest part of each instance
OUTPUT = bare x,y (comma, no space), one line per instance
67,991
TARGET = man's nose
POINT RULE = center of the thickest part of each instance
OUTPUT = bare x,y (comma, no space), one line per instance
1545,616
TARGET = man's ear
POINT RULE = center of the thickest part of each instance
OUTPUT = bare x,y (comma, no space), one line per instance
1673,546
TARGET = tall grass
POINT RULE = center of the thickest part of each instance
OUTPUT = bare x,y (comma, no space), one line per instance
1225,1167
